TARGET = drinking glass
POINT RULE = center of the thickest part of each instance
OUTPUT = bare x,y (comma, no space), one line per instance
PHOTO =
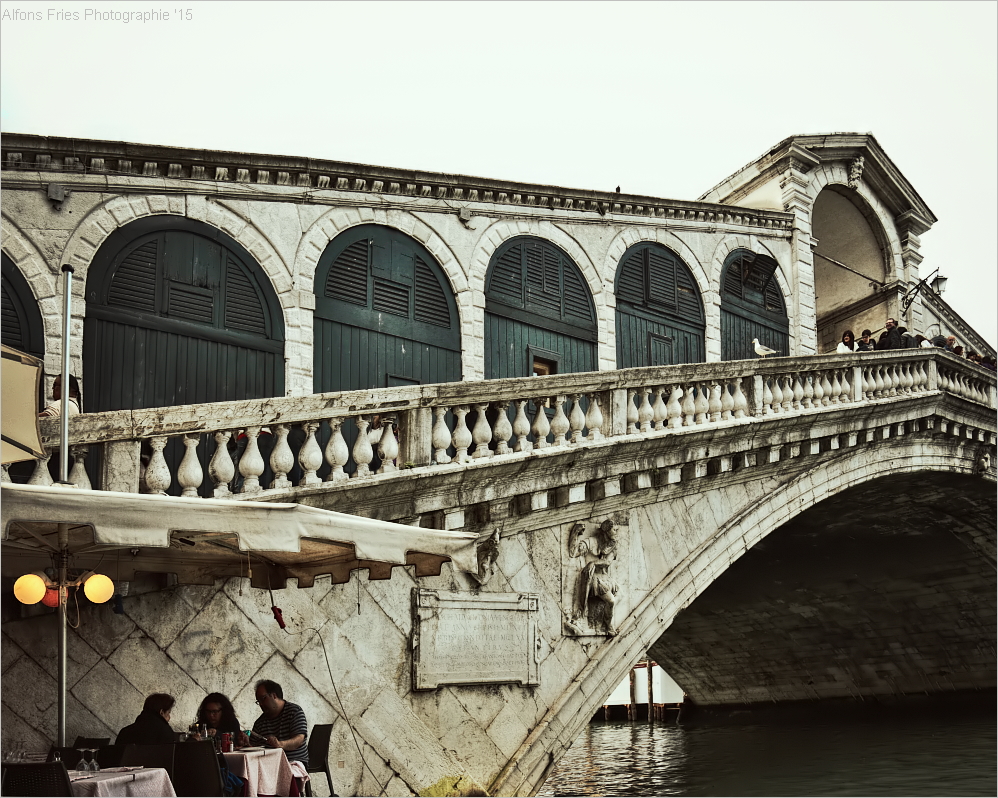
82,765
94,766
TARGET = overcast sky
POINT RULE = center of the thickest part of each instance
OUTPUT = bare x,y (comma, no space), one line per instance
663,99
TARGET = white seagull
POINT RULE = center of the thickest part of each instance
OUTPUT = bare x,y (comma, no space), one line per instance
761,350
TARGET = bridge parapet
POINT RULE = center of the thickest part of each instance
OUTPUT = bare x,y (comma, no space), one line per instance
457,425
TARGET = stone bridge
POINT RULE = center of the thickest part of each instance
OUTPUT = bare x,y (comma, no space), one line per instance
788,529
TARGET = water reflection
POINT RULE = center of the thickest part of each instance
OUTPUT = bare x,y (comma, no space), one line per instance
949,753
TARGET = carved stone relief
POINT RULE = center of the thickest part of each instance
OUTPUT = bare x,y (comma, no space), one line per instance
595,589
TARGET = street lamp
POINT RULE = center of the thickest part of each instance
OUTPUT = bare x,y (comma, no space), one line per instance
938,285
34,587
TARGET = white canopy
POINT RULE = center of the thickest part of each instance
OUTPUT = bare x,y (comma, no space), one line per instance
207,537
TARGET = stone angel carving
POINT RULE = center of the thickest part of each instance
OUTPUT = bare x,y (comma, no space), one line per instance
596,590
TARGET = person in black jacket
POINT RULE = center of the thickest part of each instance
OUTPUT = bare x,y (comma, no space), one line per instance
891,337
152,726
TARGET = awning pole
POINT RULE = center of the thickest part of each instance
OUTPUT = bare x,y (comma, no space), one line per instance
63,655
67,300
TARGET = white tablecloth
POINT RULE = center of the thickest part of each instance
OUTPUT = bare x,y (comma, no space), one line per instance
265,772
150,782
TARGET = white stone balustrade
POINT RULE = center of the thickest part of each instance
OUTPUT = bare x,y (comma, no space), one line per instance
359,435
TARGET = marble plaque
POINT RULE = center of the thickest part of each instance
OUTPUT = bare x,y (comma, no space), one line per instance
469,638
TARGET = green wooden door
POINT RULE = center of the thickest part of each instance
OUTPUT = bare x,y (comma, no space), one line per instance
384,314
19,314
660,318
752,306
538,310
179,313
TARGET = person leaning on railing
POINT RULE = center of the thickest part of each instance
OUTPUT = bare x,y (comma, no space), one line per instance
865,343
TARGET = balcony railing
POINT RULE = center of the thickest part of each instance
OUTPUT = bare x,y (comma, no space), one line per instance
347,437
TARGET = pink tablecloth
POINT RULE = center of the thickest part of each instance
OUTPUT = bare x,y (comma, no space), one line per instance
265,772
143,782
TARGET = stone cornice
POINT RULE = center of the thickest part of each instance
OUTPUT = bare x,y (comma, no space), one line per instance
134,164
957,324
878,171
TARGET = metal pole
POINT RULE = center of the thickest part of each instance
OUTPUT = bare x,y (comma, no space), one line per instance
67,301
63,595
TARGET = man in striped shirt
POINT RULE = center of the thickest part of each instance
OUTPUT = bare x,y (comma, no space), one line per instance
282,723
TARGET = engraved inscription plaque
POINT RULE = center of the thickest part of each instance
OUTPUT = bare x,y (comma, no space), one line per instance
468,638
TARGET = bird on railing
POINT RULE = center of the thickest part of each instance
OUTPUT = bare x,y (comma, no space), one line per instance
761,350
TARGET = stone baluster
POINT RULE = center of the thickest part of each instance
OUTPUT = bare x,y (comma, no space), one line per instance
632,413
594,418
221,469
461,437
540,427
158,478
890,380
942,379
835,392
922,379
807,402
659,413
878,382
767,398
559,424
78,474
818,392
577,419
41,475
846,394
727,403
363,452
310,455
798,392
701,404
826,390
868,385
481,433
282,459
521,427
741,406
337,454
645,412
786,383
673,409
190,475
909,377
441,436
689,406
388,446
714,402
503,430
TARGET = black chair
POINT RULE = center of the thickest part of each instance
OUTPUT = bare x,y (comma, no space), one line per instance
196,771
110,755
149,756
91,742
318,754
35,778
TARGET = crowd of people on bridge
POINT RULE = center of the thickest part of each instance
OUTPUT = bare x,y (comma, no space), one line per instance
895,337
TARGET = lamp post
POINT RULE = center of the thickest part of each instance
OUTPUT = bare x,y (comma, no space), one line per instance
938,284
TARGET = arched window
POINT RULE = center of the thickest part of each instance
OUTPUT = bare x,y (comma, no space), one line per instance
660,318
21,320
179,313
539,316
384,314
751,306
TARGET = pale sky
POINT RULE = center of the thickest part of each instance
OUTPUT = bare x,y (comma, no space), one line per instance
663,99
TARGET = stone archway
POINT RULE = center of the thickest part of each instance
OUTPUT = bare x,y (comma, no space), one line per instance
709,554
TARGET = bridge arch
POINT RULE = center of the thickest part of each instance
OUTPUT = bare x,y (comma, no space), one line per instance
773,505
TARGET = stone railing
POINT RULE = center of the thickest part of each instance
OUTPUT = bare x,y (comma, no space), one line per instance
218,450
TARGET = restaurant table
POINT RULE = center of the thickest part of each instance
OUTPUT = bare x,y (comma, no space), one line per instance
265,770
123,781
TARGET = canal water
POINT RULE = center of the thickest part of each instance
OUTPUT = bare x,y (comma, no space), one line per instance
927,749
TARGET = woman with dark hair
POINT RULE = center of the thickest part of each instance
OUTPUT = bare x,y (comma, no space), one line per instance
218,715
847,344
152,726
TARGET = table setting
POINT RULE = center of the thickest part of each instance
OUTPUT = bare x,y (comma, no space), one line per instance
121,781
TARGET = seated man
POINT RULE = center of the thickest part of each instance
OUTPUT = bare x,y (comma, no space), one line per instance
282,723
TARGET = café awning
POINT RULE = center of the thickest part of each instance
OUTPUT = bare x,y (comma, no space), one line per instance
201,540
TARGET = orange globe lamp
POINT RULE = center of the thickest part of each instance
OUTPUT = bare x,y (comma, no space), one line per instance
98,588
30,589
51,597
